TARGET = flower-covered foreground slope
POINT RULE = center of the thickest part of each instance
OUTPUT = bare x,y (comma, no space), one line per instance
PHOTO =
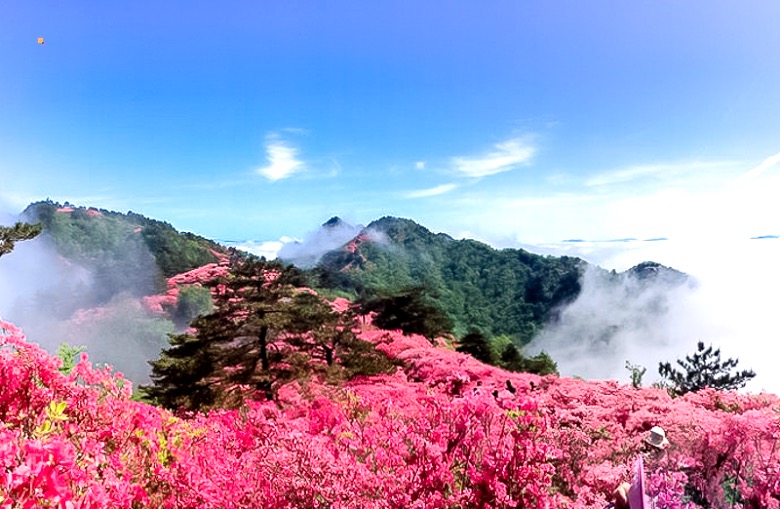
724,449
443,431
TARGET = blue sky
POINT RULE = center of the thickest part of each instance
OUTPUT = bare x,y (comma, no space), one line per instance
519,123
516,123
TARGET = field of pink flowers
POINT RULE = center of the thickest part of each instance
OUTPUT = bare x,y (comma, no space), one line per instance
444,431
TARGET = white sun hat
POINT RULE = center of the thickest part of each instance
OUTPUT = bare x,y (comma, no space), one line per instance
657,437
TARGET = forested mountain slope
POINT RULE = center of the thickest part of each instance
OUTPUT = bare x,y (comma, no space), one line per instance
508,292
125,252
505,296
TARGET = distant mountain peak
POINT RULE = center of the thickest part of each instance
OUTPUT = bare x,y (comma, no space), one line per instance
332,234
333,222
401,229
657,273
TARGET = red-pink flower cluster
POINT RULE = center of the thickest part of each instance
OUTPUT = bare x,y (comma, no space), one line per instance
443,431
163,303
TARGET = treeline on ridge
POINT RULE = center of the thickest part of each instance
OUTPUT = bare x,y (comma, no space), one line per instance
497,293
124,252
412,279
264,327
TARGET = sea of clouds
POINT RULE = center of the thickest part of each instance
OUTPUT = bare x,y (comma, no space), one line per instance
733,305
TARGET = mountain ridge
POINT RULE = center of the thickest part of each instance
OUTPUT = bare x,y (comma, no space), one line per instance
507,295
507,291
94,236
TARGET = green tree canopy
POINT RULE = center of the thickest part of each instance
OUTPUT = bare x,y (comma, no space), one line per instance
412,310
499,292
328,338
10,235
478,346
191,302
512,359
704,369
124,252
265,331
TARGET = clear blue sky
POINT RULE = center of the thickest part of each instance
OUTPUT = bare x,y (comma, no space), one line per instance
508,121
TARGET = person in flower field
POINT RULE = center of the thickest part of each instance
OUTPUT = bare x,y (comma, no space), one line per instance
632,495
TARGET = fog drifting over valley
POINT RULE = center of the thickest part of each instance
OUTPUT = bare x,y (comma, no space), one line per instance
733,306
306,253
57,301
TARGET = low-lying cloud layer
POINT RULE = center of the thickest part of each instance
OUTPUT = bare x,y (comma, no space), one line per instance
57,301
732,306
614,320
307,253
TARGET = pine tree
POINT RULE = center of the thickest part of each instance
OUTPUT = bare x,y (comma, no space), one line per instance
477,345
10,235
239,345
512,359
541,364
413,310
192,301
328,338
265,330
704,369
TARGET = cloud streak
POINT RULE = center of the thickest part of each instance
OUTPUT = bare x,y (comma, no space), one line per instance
432,191
676,199
656,171
268,249
766,164
283,160
506,156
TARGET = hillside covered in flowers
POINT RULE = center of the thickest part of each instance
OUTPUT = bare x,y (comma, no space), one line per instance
442,431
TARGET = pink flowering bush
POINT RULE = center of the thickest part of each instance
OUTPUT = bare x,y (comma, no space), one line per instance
79,441
73,441
164,303
444,431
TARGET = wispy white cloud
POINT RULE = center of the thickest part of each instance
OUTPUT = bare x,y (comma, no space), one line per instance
506,156
420,165
283,160
433,191
626,175
655,171
765,165
268,249
676,200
